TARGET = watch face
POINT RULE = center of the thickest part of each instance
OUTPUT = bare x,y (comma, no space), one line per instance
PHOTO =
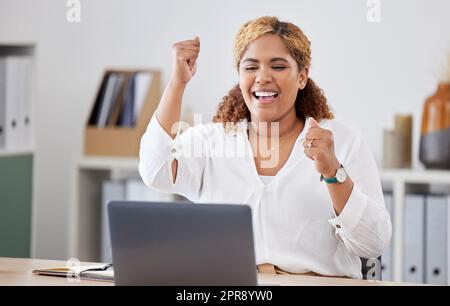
341,175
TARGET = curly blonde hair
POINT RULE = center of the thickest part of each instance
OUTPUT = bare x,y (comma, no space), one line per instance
310,101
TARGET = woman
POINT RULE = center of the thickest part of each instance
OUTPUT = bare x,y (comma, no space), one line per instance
311,181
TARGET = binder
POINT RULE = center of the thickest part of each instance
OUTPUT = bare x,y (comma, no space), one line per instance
12,132
111,94
448,239
436,240
95,112
20,141
111,190
386,261
142,82
116,109
25,116
126,118
129,190
15,105
413,244
121,140
2,103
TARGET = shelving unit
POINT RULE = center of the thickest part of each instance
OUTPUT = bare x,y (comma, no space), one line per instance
90,173
85,210
109,163
401,180
17,174
7,153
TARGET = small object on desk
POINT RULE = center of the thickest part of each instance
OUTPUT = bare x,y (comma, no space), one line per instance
100,272
392,149
404,125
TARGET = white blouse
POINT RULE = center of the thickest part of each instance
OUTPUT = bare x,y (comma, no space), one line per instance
266,179
294,223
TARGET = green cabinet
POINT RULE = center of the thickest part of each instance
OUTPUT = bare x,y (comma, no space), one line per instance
16,174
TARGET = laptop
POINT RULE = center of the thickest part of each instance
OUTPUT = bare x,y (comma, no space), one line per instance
181,244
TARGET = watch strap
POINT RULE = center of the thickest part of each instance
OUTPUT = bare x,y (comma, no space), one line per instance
331,180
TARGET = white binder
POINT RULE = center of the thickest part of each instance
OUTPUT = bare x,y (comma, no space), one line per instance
448,239
12,138
2,102
111,190
386,258
15,105
143,80
25,116
413,244
436,240
129,190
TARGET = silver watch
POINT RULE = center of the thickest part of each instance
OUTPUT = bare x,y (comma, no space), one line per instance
340,177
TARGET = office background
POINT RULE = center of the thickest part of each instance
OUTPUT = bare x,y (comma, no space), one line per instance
369,71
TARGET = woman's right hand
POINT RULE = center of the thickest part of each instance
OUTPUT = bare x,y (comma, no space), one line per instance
185,55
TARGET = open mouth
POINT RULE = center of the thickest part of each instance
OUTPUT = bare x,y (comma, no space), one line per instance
265,96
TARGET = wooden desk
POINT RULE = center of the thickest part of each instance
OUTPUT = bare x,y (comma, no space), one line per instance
15,271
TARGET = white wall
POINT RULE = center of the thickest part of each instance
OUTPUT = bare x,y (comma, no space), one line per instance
368,71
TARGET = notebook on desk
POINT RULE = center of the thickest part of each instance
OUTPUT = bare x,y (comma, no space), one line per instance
100,272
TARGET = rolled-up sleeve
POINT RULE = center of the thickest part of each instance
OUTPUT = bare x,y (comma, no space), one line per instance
364,225
157,152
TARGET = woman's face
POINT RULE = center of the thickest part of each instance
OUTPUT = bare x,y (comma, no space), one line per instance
269,79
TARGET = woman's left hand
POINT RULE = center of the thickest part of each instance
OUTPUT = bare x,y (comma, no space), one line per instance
319,147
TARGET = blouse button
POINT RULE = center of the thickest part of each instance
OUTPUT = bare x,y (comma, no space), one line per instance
176,150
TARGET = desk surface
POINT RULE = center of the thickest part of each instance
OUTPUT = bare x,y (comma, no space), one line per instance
17,271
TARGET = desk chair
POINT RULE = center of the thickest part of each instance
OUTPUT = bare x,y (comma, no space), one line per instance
367,265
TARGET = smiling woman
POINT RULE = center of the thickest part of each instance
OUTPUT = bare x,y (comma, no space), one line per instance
255,44
310,214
